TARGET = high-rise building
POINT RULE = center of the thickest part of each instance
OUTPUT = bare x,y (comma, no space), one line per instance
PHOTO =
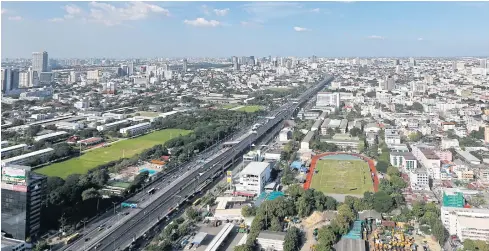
93,75
235,63
130,69
412,62
40,62
185,65
252,60
24,79
483,63
74,76
23,193
314,59
397,62
10,80
388,83
34,78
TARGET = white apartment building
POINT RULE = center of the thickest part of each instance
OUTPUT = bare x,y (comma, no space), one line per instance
328,99
12,150
254,177
392,137
136,129
69,125
285,134
419,179
51,136
93,75
112,125
403,160
25,158
466,223
428,159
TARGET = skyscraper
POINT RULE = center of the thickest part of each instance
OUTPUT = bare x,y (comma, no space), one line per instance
40,62
22,196
130,69
483,63
185,65
10,80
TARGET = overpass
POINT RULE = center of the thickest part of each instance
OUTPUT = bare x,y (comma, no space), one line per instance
123,233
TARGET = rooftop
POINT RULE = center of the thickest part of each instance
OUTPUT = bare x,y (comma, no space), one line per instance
255,168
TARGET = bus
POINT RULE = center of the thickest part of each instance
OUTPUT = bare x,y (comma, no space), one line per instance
151,191
72,238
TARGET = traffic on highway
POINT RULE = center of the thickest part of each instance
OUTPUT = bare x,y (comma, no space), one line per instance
117,229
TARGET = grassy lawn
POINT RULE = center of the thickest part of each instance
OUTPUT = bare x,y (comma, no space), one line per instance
229,106
125,148
250,108
342,177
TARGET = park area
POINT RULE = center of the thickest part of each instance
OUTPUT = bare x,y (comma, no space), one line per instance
249,108
122,149
333,176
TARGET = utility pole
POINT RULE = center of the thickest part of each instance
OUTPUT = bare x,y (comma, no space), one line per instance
114,203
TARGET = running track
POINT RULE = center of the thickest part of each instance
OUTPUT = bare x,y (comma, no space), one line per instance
370,162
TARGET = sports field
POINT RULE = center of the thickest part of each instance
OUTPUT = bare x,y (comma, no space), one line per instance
342,177
250,108
125,148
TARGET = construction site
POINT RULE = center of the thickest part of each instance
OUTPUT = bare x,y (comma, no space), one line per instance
366,233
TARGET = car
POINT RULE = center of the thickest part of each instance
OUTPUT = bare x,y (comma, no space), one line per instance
87,239
126,213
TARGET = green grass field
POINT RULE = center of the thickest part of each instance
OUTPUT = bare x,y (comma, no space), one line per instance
342,177
125,148
250,108
229,106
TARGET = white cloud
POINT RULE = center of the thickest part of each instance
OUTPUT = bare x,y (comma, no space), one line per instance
4,11
221,12
420,39
375,37
202,22
301,29
316,10
110,15
15,18
72,11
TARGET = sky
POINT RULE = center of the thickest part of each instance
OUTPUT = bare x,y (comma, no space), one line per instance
224,29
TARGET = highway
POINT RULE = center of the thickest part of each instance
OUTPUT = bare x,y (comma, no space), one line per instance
125,229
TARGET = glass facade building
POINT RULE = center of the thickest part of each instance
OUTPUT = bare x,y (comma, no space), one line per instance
23,193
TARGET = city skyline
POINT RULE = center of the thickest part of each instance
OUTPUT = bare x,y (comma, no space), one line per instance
223,29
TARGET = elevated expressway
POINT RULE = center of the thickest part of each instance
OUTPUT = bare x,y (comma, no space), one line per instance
134,226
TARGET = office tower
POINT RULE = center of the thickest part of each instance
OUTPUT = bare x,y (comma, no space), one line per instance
5,79
388,83
314,59
10,80
23,193
274,62
74,76
397,62
412,62
244,60
40,62
252,60
34,78
185,65
130,69
483,63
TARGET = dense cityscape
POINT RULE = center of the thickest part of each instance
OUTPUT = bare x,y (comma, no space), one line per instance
242,153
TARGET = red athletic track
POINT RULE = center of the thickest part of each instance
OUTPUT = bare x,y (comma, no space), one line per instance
370,162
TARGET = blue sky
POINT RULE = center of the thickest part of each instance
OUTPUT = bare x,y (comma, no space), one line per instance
217,29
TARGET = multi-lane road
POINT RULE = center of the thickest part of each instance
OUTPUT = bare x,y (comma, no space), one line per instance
153,208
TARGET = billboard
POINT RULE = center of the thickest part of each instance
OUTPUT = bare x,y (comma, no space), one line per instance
14,176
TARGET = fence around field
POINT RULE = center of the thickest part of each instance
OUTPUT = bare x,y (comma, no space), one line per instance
370,162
